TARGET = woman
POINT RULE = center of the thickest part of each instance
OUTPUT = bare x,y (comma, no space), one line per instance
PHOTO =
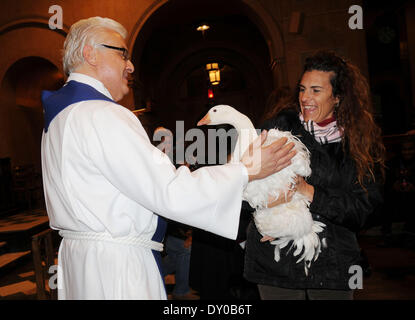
332,116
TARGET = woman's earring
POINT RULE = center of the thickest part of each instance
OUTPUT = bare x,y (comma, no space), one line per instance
336,107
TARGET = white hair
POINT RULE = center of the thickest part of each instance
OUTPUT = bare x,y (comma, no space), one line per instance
85,31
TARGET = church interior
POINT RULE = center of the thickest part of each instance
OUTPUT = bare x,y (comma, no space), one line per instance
189,56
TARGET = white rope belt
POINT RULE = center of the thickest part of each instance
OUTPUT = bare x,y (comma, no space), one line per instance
129,240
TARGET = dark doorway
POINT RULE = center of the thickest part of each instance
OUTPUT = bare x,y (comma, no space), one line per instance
388,60
170,56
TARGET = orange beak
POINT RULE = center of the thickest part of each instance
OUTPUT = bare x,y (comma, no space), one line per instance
205,120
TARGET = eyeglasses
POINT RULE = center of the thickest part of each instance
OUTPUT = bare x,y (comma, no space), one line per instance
125,54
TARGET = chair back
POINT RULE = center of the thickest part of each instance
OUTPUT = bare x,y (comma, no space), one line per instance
44,254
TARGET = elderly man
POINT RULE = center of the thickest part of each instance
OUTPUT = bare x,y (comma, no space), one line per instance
103,187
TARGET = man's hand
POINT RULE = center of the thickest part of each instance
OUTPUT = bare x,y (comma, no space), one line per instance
264,161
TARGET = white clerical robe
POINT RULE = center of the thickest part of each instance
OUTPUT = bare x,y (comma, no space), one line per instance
102,174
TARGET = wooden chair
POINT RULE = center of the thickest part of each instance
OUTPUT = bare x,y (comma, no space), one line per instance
44,254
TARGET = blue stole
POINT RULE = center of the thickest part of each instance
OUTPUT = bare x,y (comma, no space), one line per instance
159,236
55,101
73,92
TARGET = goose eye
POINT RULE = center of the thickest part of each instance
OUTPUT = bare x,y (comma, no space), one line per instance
214,110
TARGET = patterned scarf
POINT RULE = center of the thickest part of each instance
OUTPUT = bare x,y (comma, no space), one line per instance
324,132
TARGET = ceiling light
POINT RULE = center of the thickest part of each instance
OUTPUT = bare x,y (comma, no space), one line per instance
203,27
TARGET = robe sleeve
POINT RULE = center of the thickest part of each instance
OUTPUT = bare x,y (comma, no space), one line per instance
208,198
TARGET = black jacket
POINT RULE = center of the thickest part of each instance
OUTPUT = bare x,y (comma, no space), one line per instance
339,202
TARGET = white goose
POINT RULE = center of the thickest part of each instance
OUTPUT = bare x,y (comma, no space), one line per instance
286,222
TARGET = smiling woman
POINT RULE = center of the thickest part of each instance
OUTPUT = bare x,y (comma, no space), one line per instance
353,109
331,114
316,96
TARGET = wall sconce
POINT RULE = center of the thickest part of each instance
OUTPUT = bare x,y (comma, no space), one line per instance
214,73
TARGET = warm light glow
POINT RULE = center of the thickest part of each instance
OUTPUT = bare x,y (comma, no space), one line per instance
214,73
210,93
214,77
212,66
203,27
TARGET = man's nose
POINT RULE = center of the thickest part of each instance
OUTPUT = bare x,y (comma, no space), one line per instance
130,66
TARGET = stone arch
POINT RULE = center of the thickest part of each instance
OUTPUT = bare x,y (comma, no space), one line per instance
14,37
29,76
21,116
142,20
270,30
35,21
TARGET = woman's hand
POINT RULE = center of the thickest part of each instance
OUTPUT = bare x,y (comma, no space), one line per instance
272,201
267,238
304,188
300,186
188,242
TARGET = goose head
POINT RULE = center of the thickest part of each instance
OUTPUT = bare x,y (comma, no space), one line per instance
222,113
218,115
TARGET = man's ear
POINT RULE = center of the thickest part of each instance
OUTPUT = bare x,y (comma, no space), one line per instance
89,54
